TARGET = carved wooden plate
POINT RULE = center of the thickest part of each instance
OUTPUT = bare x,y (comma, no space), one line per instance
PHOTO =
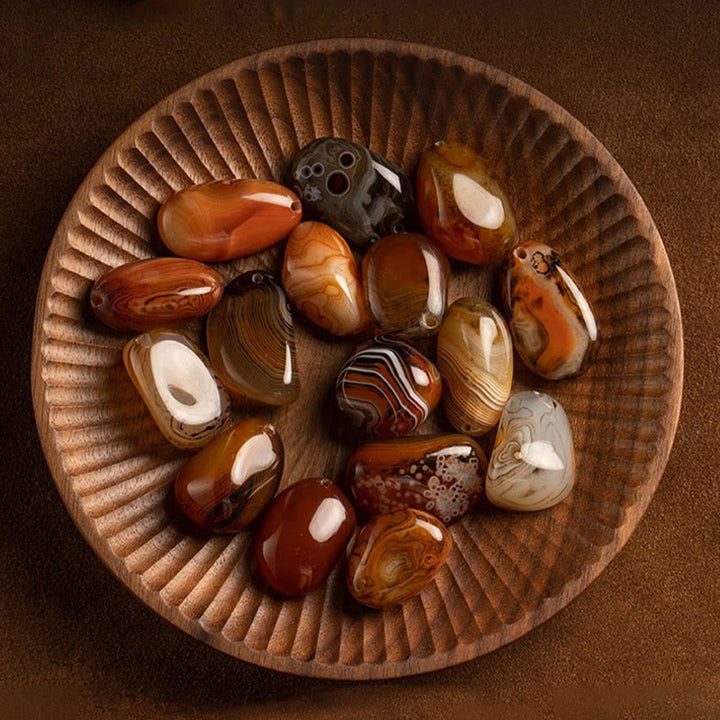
507,572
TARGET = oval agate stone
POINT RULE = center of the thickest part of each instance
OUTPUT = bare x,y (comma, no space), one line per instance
251,340
303,535
532,466
441,474
395,556
225,486
552,322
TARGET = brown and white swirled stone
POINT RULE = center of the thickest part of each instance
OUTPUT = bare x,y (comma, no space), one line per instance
532,466
475,359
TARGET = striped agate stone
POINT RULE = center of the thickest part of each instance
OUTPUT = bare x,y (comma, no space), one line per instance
475,359
388,388
251,340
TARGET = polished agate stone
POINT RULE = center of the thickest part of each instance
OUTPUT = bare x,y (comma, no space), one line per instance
303,535
462,207
395,556
227,219
322,279
552,322
442,474
360,194
532,466
225,486
161,292
388,388
475,359
183,394
405,280
251,341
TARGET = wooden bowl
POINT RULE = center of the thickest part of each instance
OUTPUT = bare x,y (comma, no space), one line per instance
508,572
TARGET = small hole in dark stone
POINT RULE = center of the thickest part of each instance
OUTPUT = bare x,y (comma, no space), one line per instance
399,228
346,159
305,171
338,183
318,169
521,253
182,396
257,278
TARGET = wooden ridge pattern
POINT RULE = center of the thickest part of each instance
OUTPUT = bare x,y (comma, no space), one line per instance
507,572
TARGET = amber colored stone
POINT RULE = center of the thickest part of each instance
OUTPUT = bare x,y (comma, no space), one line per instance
475,360
303,535
161,292
388,388
183,394
405,281
322,279
251,340
395,556
462,207
552,322
227,219
440,474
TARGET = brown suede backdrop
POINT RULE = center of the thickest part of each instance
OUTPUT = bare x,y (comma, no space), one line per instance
642,641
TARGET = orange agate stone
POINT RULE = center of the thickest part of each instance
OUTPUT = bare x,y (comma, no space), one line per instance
227,219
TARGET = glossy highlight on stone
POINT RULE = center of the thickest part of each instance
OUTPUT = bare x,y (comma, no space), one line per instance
388,388
251,341
322,279
532,466
552,322
360,194
227,219
405,281
443,475
303,535
226,485
462,207
475,360
395,556
183,394
161,292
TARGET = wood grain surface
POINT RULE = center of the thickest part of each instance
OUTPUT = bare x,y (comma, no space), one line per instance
507,573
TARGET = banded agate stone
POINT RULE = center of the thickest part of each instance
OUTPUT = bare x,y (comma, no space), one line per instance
552,322
388,388
442,474
475,359
322,279
225,486
303,535
462,207
251,341
532,466
395,556
161,292
227,219
352,189
405,281
183,394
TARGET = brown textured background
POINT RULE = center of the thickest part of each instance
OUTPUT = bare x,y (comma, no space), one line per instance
644,640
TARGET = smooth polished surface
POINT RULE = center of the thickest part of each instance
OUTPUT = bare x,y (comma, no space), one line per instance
353,189
552,321
462,206
395,556
405,282
303,535
182,392
532,466
161,292
475,360
251,340
443,475
388,388
227,219
226,485
322,279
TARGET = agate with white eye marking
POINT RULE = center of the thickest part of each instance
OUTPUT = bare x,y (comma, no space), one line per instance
185,397
532,466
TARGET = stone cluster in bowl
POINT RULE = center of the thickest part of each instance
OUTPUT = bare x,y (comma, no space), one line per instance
406,489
